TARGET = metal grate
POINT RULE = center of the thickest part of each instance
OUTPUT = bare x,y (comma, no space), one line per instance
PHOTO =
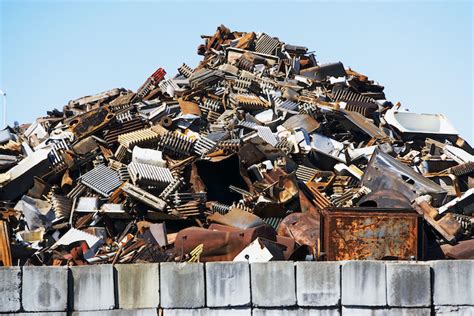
102,179
266,44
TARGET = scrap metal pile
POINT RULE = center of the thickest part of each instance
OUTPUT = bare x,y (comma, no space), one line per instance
259,153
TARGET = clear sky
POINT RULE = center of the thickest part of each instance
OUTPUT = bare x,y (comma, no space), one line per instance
55,51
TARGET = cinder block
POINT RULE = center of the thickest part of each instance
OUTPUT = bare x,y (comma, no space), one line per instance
182,285
44,288
318,283
296,312
118,312
138,285
227,284
273,284
208,312
454,310
10,286
408,284
453,282
364,283
93,287
409,312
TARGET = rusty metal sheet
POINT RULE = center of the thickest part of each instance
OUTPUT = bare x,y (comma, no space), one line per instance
290,246
304,228
245,41
188,107
371,234
237,217
91,121
5,252
463,250
220,243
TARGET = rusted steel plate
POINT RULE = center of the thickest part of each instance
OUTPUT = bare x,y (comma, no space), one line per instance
91,121
364,233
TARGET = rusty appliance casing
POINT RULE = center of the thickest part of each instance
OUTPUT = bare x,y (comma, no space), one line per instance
371,234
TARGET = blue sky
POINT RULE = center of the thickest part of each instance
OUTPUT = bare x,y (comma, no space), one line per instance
52,51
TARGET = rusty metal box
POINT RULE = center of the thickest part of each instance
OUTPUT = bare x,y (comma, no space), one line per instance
371,234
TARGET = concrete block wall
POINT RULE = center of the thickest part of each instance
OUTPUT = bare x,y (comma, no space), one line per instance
241,289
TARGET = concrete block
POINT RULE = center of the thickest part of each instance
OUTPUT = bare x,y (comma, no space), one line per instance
454,310
318,312
44,288
273,284
118,312
296,312
93,287
227,284
409,312
364,311
182,285
10,286
318,283
364,283
274,312
375,311
453,282
228,312
208,312
408,284
138,285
